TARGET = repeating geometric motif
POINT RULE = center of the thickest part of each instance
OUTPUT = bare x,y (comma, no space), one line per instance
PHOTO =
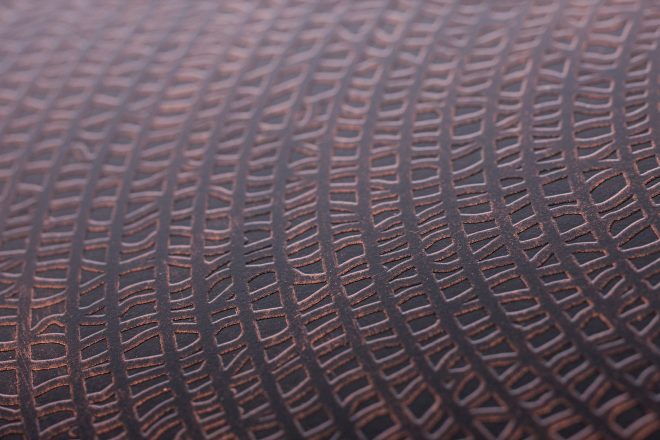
330,219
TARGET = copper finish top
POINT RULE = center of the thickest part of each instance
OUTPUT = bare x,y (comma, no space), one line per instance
279,219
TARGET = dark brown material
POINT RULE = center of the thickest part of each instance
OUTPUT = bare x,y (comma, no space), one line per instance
330,219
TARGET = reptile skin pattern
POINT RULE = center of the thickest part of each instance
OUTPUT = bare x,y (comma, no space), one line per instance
330,219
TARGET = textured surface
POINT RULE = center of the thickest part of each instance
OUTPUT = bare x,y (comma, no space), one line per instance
330,219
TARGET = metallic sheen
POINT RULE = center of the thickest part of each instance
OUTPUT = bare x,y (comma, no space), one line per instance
330,219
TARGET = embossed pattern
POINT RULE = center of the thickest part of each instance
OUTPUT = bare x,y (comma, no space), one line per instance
330,219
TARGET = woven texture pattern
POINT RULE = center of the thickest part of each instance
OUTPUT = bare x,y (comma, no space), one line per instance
279,219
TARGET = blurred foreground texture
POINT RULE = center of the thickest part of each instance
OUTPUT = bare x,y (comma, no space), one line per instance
330,219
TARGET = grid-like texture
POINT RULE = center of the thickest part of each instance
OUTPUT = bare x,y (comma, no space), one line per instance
330,219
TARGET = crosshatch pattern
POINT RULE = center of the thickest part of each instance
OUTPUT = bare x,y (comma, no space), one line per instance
330,219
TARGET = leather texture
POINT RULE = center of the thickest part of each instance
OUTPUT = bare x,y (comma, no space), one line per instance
278,219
